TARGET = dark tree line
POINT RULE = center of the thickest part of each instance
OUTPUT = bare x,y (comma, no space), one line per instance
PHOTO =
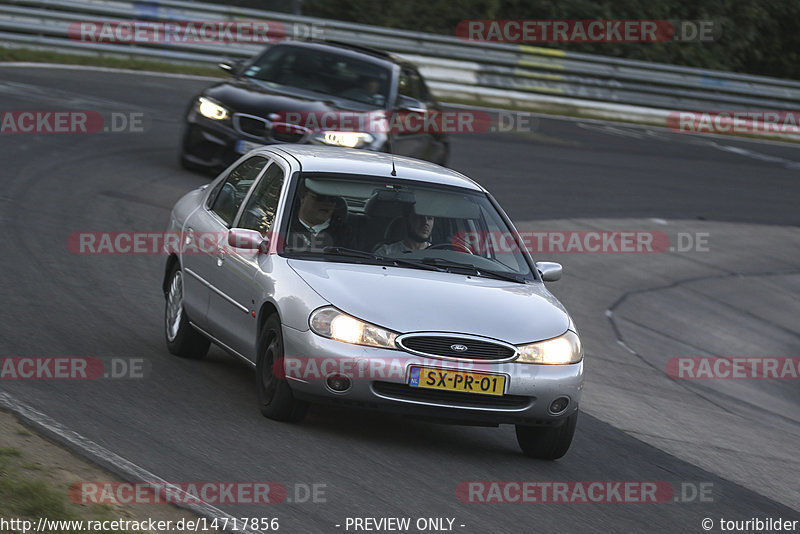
756,37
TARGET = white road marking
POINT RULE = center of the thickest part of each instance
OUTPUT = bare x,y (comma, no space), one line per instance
790,164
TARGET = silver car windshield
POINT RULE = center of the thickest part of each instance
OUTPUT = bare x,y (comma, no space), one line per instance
325,73
407,224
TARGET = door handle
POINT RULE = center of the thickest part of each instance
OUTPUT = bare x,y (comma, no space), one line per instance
221,250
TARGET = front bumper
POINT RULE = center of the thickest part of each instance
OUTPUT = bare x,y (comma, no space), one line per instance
211,144
380,377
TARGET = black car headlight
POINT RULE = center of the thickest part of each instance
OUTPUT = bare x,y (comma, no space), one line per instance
212,110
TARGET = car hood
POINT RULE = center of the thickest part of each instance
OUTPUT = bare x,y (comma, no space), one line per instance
410,300
262,98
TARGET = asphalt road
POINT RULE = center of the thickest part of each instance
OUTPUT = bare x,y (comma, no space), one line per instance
197,421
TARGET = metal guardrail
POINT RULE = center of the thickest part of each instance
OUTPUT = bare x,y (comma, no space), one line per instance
490,72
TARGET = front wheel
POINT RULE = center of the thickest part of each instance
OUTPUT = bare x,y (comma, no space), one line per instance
547,443
275,398
182,339
444,159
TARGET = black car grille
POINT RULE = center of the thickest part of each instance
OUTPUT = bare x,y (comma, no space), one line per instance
264,130
284,136
453,398
443,346
252,126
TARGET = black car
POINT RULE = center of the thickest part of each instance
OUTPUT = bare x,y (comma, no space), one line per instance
318,92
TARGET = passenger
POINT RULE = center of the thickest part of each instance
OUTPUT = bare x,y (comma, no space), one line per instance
418,233
317,224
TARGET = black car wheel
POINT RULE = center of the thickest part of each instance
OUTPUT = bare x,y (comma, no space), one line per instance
547,443
444,159
185,162
275,398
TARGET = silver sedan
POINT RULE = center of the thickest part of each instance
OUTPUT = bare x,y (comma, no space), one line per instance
355,277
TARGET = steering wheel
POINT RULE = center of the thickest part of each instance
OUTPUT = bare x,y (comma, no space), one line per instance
458,246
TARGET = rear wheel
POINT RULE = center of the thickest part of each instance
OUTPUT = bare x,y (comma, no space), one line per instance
182,339
547,443
275,398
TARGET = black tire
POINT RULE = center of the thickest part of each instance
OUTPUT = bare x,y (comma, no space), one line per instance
444,159
275,398
184,161
547,443
182,339
183,158
188,165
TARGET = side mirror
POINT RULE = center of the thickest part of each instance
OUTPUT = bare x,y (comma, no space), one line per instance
232,66
248,239
549,270
406,103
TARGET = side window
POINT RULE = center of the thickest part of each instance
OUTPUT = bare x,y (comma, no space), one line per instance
213,195
424,91
410,84
235,188
259,212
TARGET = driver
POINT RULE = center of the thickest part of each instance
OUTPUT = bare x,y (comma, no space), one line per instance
370,84
418,233
367,90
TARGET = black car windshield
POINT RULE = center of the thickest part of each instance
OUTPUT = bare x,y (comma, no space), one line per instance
324,72
364,219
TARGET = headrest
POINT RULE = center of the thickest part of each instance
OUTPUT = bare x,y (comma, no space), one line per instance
389,203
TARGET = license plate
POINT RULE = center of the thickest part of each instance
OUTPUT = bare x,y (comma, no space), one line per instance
464,381
246,146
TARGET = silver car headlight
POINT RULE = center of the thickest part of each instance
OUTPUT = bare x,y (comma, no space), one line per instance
345,139
560,350
211,110
331,323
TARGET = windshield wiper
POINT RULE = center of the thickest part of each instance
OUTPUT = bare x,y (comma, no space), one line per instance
353,253
448,264
504,276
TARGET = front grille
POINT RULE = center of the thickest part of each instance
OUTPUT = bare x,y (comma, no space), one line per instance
453,398
266,130
255,126
443,346
287,136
